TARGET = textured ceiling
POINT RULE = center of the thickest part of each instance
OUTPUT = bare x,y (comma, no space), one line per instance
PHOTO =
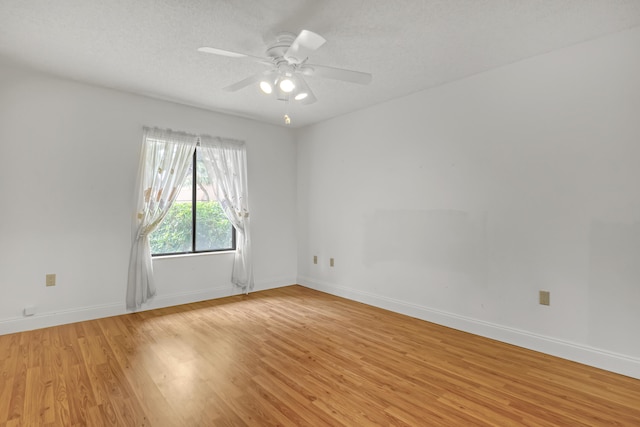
149,46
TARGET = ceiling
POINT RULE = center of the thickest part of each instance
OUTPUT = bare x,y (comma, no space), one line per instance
149,46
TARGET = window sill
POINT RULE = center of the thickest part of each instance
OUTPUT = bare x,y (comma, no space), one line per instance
192,255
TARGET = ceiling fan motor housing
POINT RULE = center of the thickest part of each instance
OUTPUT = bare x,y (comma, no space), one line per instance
278,48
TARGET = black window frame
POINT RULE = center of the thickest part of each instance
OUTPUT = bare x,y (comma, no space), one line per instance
194,185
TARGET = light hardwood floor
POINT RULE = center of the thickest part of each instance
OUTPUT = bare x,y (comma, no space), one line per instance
293,356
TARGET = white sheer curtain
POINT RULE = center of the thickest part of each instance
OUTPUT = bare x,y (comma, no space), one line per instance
226,163
164,161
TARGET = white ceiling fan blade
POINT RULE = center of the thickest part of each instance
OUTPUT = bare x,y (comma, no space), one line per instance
309,40
306,42
243,83
231,54
336,74
222,52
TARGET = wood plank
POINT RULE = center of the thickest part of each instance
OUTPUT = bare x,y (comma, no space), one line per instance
293,357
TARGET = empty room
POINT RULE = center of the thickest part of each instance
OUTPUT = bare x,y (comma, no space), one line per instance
320,213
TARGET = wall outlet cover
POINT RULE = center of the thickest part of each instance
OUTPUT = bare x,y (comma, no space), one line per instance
545,298
51,279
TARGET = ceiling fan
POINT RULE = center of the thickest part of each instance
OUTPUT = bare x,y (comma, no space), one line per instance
287,58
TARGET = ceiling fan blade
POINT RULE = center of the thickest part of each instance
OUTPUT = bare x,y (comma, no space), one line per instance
306,42
243,83
336,74
231,54
222,52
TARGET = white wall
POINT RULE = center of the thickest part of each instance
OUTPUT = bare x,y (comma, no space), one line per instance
458,204
68,159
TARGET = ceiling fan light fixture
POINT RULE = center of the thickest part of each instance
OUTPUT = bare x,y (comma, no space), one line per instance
287,85
266,87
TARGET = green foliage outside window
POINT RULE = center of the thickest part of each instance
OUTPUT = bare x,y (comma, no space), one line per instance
173,235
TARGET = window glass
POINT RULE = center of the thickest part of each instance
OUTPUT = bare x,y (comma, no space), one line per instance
213,231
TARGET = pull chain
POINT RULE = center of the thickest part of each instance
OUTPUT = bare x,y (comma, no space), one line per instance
287,119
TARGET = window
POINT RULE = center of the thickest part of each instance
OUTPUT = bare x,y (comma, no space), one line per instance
195,222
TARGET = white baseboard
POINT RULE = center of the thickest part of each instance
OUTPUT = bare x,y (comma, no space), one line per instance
45,320
614,362
48,319
161,301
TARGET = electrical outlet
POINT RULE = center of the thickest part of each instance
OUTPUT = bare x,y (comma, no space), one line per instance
51,279
330,262
315,259
545,297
